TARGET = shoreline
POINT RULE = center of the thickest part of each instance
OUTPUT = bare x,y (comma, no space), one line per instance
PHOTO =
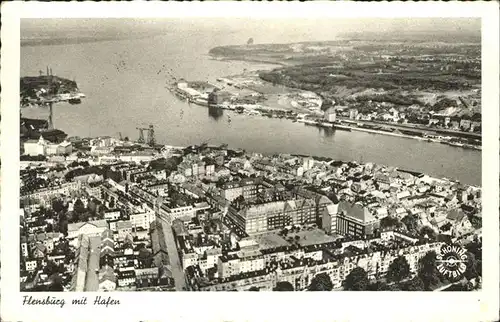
318,158
401,135
440,135
429,140
248,60
341,126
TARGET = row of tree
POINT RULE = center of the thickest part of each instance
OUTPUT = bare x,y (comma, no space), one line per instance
398,277
411,225
169,164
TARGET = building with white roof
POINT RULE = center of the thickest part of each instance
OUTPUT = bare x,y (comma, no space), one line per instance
44,147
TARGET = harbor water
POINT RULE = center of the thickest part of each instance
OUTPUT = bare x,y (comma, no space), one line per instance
125,86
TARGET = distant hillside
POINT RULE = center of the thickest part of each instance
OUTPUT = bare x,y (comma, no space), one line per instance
415,36
62,41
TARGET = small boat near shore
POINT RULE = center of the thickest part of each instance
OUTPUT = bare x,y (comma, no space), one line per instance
471,147
324,124
74,101
342,127
200,101
310,122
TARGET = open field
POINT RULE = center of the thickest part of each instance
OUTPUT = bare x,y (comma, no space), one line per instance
311,237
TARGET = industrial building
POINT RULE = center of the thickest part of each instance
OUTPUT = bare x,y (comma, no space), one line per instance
44,147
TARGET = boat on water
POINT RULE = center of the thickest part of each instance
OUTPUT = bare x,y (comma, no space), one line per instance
342,127
462,145
310,122
471,147
411,133
200,101
456,144
324,124
384,129
74,101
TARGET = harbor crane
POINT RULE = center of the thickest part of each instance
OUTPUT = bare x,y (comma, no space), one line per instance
49,88
141,134
150,135
50,99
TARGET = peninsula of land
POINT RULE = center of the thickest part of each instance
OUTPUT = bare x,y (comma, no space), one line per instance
48,88
427,90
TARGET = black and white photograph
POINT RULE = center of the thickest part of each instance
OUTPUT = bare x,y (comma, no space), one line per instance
249,154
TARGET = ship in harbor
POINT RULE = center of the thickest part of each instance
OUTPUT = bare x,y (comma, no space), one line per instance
194,92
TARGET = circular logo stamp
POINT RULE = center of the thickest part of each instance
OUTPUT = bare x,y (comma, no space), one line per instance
451,262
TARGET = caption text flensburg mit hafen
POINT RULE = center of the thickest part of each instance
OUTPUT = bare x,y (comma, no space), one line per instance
53,300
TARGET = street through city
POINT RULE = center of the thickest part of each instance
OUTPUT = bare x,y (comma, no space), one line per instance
177,272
